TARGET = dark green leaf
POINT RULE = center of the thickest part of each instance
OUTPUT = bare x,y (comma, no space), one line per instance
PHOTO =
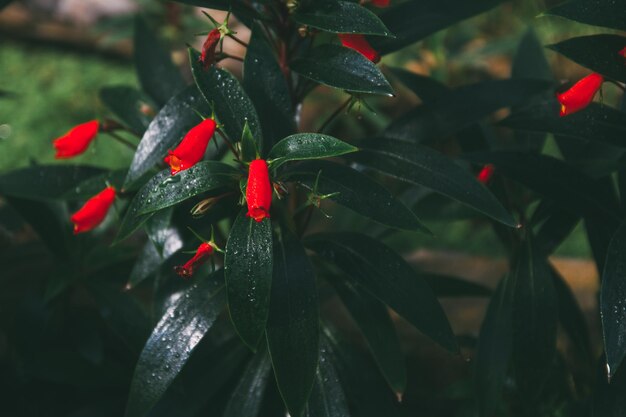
597,123
424,166
248,272
165,130
599,53
248,396
45,182
200,178
373,319
556,229
461,108
608,396
157,74
249,150
605,13
389,278
303,146
343,68
173,340
612,307
356,191
342,17
126,104
535,317
445,286
293,324
327,398
232,105
495,346
266,85
93,185
426,88
414,20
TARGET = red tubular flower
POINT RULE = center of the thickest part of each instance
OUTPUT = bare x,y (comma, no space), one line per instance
191,149
259,191
76,140
380,3
94,211
580,95
359,44
204,251
486,173
207,56
623,52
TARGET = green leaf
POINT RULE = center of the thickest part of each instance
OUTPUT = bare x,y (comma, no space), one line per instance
248,271
165,130
597,123
389,278
174,338
494,350
249,149
293,324
248,395
303,146
200,178
327,398
552,178
343,68
373,320
232,105
45,182
605,13
356,191
414,20
267,86
93,185
535,317
342,17
424,166
446,286
612,308
426,88
461,108
157,74
599,53
126,104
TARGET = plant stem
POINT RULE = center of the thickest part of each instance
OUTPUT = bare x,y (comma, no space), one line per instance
618,84
239,41
122,140
224,55
335,114
230,145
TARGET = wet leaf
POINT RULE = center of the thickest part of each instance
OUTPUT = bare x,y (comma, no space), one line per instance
327,398
303,146
248,396
605,13
341,17
129,105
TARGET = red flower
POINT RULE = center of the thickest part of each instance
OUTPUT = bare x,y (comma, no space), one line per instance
381,3
359,44
259,190
580,95
94,211
486,173
191,149
76,140
623,52
204,251
207,57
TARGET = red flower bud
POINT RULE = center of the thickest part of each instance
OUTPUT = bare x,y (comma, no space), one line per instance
381,3
204,251
192,148
259,190
76,140
580,95
359,44
207,57
486,173
623,52
94,211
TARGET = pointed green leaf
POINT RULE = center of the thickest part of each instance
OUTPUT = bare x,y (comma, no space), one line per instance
157,74
232,105
327,398
341,17
293,324
174,338
303,146
428,89
355,191
424,166
373,320
249,150
389,278
604,13
94,184
446,286
248,271
126,104
248,396
200,178
343,68
165,130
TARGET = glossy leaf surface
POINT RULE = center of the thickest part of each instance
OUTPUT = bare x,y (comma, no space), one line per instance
303,146
342,17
